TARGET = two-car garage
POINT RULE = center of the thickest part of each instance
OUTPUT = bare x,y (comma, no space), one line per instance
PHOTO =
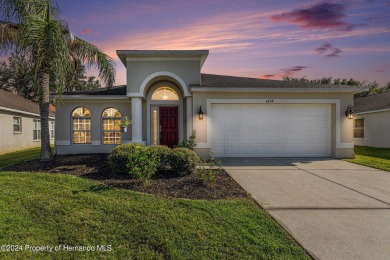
270,129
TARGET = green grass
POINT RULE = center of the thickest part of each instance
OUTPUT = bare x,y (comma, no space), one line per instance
378,158
373,152
9,159
53,209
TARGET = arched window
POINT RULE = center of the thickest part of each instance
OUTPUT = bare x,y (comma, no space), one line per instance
111,118
165,93
81,121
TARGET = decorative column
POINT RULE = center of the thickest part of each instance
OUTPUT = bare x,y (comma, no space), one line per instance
136,119
189,116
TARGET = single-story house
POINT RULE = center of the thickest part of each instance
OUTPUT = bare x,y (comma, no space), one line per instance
167,97
20,124
371,125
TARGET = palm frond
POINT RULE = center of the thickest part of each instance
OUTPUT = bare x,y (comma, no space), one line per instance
90,55
9,35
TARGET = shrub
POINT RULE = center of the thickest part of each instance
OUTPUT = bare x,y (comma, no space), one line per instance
119,157
163,153
183,161
142,163
208,171
190,142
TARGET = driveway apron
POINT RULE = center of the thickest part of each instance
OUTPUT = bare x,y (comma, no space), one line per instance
334,209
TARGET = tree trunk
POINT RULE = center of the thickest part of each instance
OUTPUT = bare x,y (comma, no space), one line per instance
44,106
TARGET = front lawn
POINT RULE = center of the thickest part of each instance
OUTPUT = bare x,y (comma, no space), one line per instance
19,156
373,157
40,209
9,159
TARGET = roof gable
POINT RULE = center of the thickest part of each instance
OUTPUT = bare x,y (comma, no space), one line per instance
16,102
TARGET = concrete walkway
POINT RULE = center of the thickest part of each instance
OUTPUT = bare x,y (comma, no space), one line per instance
334,209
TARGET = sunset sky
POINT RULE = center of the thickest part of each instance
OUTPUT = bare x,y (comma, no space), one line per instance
254,38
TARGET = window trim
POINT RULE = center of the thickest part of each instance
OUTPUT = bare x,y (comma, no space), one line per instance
20,125
158,96
52,130
85,131
39,130
358,128
103,118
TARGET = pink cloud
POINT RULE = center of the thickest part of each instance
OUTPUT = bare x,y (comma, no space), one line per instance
85,31
320,16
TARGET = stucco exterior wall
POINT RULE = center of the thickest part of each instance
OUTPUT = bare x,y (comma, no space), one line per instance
10,141
345,99
138,71
376,129
64,143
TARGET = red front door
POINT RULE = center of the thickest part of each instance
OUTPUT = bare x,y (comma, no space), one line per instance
169,135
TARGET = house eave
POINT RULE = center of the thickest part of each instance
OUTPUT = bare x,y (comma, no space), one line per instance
22,112
320,90
125,55
373,111
93,97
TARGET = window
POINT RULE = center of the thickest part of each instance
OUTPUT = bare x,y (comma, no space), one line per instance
81,121
358,128
165,93
36,130
17,124
52,130
111,119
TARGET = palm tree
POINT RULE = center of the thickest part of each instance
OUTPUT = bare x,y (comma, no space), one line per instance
33,27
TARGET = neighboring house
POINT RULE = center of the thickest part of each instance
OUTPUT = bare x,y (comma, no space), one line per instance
372,120
242,117
20,125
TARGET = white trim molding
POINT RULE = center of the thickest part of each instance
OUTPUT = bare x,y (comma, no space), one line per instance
89,97
336,102
220,89
22,112
373,111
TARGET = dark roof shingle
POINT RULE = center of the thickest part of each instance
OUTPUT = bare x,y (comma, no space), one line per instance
373,102
13,101
221,81
114,91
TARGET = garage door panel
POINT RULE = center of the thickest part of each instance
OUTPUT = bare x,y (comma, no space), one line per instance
248,137
232,150
233,124
217,138
270,130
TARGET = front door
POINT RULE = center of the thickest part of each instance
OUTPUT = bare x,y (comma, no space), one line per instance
169,131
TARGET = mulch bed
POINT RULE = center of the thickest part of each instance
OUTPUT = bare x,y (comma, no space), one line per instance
95,167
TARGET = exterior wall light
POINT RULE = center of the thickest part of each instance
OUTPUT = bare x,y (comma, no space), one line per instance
349,112
200,113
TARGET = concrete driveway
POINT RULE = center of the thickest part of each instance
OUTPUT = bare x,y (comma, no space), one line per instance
334,209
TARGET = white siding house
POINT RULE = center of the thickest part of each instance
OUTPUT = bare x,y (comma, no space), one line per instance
20,126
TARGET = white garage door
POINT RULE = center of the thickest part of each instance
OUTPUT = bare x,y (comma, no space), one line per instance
270,130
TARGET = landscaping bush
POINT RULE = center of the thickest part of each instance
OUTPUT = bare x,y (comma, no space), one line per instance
208,170
142,163
189,143
119,157
183,161
163,153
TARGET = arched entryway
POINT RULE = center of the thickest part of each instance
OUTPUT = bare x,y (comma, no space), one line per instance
164,114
